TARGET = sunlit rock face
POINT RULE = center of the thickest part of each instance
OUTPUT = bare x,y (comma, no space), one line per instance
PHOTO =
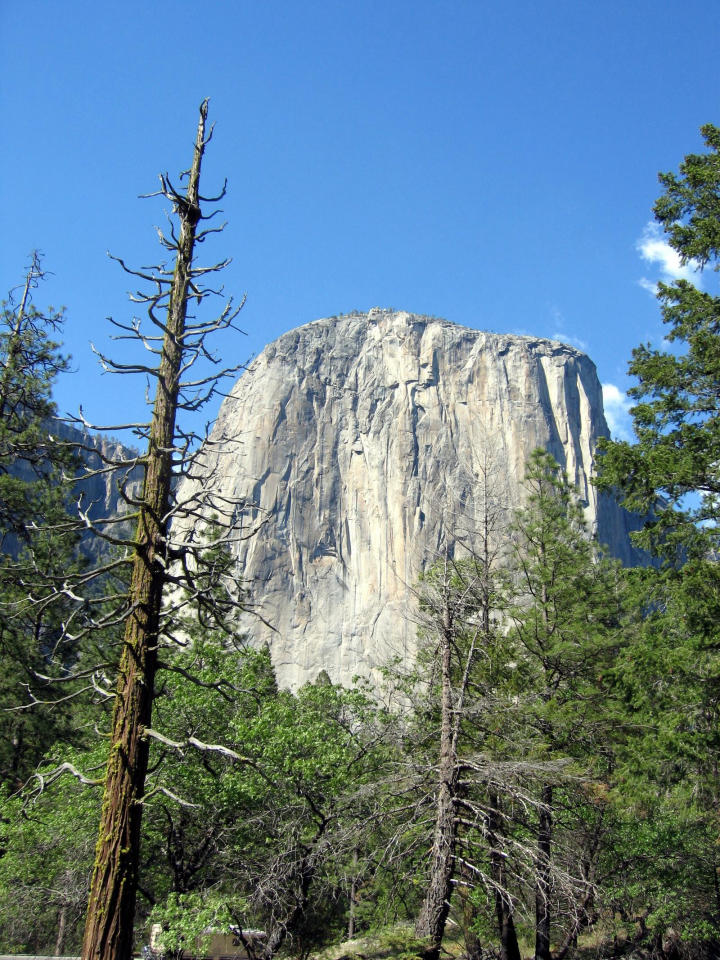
360,440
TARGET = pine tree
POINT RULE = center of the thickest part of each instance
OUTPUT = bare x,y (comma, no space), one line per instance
567,628
34,495
30,361
671,475
677,414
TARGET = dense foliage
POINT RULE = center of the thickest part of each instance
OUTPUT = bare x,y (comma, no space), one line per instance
672,468
670,678
33,506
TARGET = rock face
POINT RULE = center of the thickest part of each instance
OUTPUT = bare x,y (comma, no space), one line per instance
358,439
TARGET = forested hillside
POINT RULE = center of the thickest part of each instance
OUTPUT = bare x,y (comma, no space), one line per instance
541,781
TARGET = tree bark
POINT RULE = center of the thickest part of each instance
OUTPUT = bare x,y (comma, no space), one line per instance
542,877
111,909
542,869
436,906
473,946
509,949
60,940
352,903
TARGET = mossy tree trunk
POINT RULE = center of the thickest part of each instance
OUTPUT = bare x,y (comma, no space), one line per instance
111,909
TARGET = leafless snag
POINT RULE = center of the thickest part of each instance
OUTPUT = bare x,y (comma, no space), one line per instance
170,579
477,800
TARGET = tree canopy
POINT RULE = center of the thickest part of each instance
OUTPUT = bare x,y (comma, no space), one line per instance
671,472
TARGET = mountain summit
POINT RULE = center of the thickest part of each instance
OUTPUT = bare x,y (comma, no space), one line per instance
360,440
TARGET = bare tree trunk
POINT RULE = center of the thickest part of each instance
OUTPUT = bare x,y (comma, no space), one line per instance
509,949
542,877
436,906
111,909
473,946
60,940
542,869
352,905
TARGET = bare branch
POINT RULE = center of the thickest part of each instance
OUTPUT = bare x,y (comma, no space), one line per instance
45,780
165,792
196,745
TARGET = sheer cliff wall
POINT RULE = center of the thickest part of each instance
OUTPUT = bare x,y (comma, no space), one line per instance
359,440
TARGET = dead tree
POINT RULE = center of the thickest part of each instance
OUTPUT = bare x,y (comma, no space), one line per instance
111,909
157,568
436,905
486,779
458,602
165,577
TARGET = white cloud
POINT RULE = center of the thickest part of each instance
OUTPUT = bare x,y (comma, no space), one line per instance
656,251
649,285
617,411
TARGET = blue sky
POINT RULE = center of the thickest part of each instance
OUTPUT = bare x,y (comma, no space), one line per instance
492,164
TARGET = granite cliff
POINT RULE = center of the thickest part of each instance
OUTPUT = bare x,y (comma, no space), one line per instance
357,439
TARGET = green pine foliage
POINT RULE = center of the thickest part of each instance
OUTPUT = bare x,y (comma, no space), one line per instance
669,678
567,616
530,640
30,361
567,623
35,548
672,469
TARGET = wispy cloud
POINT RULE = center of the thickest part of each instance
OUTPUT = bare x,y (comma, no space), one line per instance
657,252
568,338
558,318
649,285
617,411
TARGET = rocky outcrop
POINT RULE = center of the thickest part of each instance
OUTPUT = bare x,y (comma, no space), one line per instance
358,440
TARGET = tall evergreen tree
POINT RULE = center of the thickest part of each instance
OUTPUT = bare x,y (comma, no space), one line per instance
566,625
677,412
33,507
30,361
671,474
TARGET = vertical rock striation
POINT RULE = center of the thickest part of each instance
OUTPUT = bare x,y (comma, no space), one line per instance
358,439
